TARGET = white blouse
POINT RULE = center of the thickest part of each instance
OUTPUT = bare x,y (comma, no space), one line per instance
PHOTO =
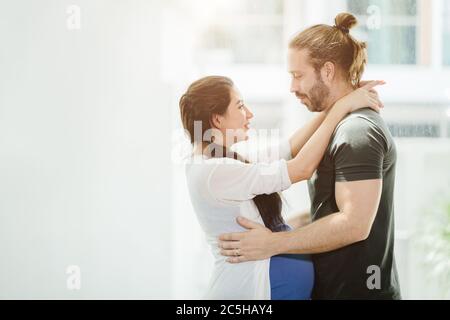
221,189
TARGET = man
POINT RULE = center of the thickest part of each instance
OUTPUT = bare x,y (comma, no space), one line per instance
352,233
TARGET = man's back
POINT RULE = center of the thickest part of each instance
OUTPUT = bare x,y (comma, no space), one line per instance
361,149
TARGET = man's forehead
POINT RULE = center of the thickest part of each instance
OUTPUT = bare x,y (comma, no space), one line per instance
298,60
299,54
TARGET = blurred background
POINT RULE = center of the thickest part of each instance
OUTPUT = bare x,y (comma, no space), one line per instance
93,200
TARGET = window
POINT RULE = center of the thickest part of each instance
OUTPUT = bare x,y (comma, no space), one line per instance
249,31
389,27
414,130
446,37
409,43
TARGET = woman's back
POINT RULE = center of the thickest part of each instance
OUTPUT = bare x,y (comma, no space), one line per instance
248,280
221,189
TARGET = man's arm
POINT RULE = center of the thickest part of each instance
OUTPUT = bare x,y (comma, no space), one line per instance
299,219
358,204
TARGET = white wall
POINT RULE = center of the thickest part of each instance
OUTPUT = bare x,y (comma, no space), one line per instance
84,151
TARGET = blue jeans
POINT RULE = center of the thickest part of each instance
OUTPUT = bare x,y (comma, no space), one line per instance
291,276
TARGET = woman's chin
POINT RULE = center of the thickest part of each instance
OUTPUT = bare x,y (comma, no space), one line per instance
242,138
245,135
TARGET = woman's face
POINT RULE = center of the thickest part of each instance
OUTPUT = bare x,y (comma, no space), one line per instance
235,123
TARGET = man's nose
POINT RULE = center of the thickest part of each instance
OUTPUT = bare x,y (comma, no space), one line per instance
294,86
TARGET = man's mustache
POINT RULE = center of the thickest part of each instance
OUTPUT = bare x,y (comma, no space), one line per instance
300,95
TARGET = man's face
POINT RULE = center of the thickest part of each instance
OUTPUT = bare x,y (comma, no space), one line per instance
307,84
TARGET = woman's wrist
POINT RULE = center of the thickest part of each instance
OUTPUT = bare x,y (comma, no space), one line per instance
339,110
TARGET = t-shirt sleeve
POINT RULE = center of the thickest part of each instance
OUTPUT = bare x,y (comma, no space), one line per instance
358,150
232,180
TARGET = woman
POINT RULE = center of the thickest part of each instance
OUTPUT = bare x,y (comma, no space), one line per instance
224,185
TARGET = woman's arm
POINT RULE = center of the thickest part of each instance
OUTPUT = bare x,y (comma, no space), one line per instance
308,158
302,135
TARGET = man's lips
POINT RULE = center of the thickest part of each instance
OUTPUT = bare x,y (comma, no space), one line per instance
303,99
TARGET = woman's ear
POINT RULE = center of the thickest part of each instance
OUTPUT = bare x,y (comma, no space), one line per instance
216,121
328,72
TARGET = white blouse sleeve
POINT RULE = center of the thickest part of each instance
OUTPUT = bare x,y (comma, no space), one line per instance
232,180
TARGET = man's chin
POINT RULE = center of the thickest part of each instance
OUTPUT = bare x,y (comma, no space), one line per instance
312,108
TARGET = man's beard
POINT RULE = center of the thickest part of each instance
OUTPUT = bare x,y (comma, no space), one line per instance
317,96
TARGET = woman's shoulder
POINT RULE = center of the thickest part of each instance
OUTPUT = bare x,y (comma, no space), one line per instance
201,167
204,175
202,163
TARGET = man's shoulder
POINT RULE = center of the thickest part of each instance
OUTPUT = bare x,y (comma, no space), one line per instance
362,127
362,122
362,119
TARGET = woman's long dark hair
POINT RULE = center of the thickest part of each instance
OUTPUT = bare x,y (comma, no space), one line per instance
211,95
269,205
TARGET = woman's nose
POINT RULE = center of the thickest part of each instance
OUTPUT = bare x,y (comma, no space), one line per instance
249,113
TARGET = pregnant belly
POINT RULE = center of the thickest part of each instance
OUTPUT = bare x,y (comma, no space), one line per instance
291,277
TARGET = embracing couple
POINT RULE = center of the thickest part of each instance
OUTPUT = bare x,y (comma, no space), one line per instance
345,249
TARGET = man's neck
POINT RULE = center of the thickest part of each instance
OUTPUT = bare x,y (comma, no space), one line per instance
340,90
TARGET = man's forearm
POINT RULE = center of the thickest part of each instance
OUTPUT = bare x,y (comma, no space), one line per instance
299,220
326,234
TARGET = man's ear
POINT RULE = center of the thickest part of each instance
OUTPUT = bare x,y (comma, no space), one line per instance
328,72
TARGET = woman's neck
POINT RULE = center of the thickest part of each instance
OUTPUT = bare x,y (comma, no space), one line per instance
201,148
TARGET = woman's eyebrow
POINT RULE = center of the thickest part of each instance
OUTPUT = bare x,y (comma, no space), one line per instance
240,101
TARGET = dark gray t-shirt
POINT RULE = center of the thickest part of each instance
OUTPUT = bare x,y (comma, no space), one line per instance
361,148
